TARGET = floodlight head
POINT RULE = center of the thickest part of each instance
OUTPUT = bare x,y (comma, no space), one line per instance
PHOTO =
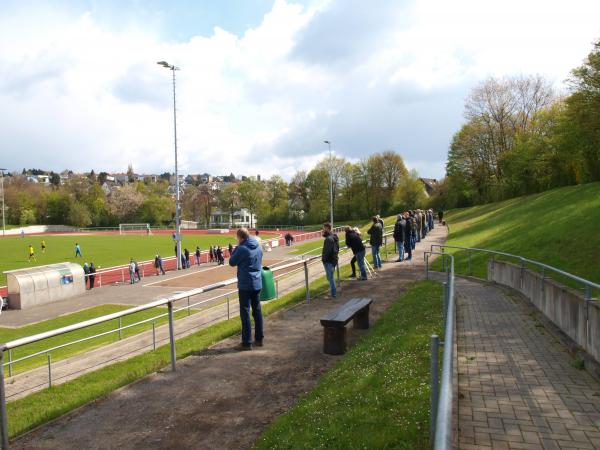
164,64
327,142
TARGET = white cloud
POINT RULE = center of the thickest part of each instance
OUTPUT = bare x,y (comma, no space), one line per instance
368,76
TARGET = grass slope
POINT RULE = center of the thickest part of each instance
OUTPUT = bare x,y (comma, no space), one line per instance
103,250
9,334
557,227
377,396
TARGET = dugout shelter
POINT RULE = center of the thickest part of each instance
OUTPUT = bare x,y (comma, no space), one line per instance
40,285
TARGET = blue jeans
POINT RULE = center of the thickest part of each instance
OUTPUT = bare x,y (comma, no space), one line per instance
400,247
250,299
329,269
360,259
376,257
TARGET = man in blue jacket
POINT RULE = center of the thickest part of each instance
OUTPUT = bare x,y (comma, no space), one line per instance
247,256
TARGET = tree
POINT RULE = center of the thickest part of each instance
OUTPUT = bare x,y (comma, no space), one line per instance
229,200
130,174
102,177
252,195
79,215
54,179
157,210
125,203
411,194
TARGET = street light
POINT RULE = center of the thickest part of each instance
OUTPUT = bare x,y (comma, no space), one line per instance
172,68
2,185
330,186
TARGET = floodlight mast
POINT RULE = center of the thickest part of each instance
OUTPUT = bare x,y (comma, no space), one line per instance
173,68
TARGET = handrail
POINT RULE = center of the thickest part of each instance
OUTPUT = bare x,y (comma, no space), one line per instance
443,420
523,260
160,302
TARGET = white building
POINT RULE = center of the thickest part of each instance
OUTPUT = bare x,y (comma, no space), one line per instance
240,218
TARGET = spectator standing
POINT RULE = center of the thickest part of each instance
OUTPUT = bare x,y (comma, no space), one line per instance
136,269
158,264
440,215
376,233
211,254
329,255
380,220
220,257
131,272
186,255
92,275
408,236
354,241
86,274
230,248
247,257
197,255
399,234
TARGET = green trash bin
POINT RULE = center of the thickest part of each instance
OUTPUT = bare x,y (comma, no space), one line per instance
268,291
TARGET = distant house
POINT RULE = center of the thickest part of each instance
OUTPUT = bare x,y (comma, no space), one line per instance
429,184
240,218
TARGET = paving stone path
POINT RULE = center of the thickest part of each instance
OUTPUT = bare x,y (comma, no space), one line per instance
518,386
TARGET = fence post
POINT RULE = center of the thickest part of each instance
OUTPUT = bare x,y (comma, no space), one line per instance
587,297
153,335
337,268
543,288
427,266
188,308
4,418
434,384
49,370
228,307
385,244
306,282
10,362
100,280
276,288
521,273
123,275
120,325
172,336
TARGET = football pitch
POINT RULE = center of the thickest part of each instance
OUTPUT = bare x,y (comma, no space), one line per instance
102,249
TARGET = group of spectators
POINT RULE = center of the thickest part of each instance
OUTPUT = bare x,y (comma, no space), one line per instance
89,271
411,226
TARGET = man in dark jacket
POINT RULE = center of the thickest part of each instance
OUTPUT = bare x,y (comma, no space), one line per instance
408,236
354,241
92,275
247,256
376,233
329,255
399,233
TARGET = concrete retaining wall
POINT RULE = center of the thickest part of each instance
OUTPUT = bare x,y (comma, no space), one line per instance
563,306
36,229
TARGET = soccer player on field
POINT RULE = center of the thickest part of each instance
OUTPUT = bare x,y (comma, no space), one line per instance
78,250
43,245
31,253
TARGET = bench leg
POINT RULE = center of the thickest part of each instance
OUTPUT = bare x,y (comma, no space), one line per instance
334,340
361,319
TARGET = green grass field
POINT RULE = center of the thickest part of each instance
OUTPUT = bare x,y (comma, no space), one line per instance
557,227
103,250
377,396
9,334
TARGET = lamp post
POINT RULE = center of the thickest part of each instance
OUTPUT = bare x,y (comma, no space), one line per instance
330,186
172,68
2,186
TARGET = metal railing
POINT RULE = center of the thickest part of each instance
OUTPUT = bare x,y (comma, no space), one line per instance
587,284
441,394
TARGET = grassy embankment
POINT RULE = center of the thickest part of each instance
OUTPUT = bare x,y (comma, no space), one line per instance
557,227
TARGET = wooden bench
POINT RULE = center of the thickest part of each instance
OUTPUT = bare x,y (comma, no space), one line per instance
334,324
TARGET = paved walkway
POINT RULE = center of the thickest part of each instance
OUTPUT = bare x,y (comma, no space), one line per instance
518,386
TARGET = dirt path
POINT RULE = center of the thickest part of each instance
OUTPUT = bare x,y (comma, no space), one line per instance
221,398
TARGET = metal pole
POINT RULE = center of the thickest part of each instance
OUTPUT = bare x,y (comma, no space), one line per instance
306,282
427,266
445,287
434,384
177,203
189,312
172,336
337,268
330,186
153,335
386,249
10,362
4,418
276,288
228,307
2,185
49,370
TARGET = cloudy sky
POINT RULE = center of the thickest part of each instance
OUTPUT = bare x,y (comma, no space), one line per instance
262,83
